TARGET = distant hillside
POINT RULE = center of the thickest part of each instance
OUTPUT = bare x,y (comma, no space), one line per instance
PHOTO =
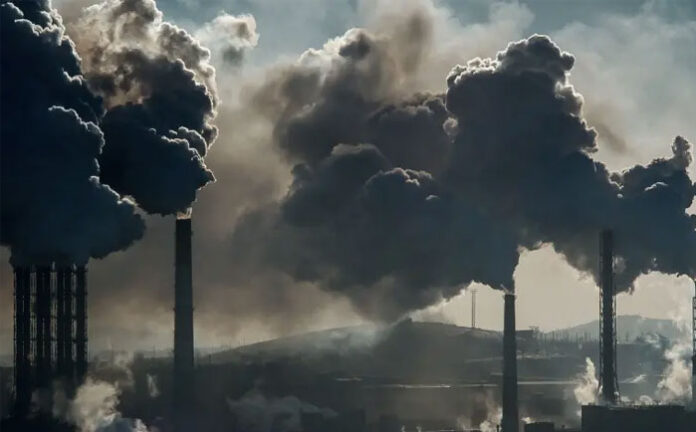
627,327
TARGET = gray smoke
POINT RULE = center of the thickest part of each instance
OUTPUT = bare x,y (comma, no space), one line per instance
54,207
159,88
399,200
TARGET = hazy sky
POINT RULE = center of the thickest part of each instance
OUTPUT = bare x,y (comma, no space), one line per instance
634,67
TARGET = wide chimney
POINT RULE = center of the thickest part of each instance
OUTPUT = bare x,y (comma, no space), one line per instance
607,319
510,408
183,327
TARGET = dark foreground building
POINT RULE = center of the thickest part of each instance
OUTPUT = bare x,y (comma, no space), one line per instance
651,418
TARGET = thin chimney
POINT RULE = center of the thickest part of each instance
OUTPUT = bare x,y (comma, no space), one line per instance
183,326
607,319
510,408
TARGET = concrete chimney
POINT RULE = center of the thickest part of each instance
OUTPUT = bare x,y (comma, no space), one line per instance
510,421
607,319
183,380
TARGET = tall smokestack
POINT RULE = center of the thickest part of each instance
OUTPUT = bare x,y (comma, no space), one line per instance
42,345
183,326
22,367
510,408
607,319
81,322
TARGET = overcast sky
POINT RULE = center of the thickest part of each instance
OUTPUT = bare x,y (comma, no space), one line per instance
634,67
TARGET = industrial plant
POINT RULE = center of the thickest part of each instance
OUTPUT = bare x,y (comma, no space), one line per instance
355,172
50,329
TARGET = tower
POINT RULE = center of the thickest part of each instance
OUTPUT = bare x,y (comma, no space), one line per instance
183,326
510,421
607,319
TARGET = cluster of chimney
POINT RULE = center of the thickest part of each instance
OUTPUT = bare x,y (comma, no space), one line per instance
50,328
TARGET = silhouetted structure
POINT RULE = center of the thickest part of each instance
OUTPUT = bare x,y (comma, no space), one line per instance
510,420
22,337
607,319
648,418
183,327
50,329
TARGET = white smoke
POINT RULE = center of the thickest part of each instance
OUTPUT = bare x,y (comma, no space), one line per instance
95,405
493,421
587,385
152,387
675,385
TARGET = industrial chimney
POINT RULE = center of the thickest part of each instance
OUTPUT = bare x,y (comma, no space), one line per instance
183,326
50,328
510,409
22,336
607,319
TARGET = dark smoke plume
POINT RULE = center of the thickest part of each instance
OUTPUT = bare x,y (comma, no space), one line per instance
399,200
53,206
159,88
522,154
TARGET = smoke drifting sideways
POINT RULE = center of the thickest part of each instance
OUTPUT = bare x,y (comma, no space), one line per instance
399,199
53,206
159,89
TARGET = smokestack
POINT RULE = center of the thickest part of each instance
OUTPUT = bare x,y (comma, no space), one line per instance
607,319
22,369
42,345
183,326
510,408
80,323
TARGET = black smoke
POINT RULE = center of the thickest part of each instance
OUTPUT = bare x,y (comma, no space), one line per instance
159,88
399,200
53,205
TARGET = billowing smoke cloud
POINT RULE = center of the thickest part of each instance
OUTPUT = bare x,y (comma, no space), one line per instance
398,199
54,207
522,152
159,88
230,37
